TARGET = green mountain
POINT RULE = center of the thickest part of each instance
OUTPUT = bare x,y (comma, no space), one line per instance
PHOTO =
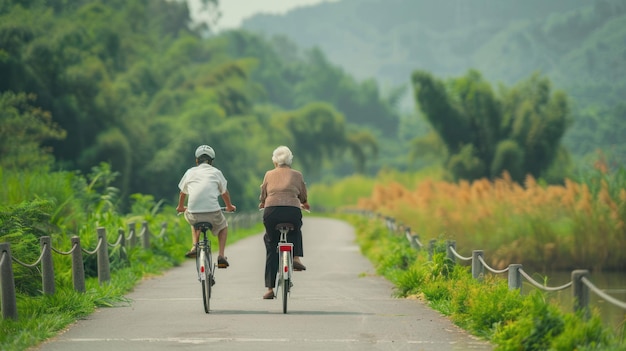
578,44
387,39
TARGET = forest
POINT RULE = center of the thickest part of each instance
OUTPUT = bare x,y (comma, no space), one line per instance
138,85
131,83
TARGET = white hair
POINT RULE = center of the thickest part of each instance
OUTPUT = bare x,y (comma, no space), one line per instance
282,156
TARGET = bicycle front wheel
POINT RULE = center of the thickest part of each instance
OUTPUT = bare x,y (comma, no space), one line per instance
206,278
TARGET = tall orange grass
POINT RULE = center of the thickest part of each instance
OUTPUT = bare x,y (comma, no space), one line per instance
546,227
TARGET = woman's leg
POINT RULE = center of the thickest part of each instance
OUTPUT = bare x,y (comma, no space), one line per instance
271,242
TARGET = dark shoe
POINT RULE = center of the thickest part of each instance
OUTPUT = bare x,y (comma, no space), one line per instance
297,266
222,262
191,253
268,295
212,280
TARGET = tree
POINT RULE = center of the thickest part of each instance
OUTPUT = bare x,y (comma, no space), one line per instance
317,132
23,130
518,130
363,146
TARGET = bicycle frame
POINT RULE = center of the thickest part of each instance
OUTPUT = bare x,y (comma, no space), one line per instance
286,261
204,250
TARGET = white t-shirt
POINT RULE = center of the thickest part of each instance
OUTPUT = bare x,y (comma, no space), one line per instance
203,184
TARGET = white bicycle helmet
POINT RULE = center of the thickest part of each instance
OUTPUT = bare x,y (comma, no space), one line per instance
205,150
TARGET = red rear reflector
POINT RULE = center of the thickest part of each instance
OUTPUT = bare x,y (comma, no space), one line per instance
201,269
286,269
285,248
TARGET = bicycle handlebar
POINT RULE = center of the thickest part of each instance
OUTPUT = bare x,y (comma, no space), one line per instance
302,208
223,209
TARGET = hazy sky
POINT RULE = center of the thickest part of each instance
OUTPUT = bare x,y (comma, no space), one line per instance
234,11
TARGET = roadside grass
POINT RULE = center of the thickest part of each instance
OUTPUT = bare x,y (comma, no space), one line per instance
486,308
63,205
44,316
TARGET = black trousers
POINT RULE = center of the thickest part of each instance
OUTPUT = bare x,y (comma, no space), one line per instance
271,217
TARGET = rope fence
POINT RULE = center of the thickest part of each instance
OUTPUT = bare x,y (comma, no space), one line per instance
7,282
580,283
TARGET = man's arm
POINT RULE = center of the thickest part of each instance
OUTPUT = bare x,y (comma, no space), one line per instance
229,206
181,202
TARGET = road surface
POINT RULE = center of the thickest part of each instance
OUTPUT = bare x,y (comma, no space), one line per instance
338,303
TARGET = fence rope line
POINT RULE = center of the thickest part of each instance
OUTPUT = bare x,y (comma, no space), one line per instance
36,262
602,294
94,250
541,286
131,234
492,270
65,253
162,232
142,232
118,242
458,255
410,237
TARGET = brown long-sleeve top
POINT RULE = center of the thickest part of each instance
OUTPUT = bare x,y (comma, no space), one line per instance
283,186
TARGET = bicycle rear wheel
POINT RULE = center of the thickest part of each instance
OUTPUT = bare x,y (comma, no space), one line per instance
206,278
285,281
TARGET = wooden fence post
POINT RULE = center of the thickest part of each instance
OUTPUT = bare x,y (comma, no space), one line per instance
478,270
146,235
431,248
413,239
78,267
104,275
47,266
7,283
580,291
449,253
515,277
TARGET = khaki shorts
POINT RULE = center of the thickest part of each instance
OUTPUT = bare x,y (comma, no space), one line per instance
216,218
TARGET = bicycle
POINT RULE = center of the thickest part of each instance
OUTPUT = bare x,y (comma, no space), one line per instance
284,276
204,262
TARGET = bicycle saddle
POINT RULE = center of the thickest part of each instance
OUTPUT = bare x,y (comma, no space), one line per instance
203,226
289,226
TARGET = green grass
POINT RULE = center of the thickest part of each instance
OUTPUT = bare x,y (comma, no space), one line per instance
486,308
41,317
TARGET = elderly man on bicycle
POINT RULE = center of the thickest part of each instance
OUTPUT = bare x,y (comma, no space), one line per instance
203,185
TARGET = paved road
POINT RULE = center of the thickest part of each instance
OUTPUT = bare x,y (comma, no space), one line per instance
338,303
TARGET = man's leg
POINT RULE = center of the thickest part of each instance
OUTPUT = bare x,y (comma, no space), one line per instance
221,238
222,235
195,234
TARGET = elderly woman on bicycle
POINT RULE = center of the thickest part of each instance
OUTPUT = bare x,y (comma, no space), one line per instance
283,194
